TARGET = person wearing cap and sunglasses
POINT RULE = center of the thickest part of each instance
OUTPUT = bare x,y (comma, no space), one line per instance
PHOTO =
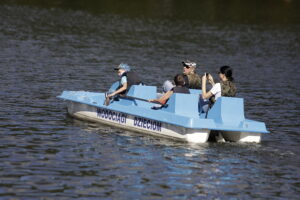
191,78
128,78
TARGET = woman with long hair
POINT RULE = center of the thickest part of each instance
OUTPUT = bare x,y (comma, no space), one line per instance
226,87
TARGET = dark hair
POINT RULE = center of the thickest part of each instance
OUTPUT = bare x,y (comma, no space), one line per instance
179,80
227,71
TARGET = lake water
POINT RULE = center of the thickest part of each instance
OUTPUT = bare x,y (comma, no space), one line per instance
50,46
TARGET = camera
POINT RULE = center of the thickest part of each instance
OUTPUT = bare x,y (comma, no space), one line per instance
206,74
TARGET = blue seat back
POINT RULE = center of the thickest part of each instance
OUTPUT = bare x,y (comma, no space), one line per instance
195,91
142,91
184,104
114,87
227,110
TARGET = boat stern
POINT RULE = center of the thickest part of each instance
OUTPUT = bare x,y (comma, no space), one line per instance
228,114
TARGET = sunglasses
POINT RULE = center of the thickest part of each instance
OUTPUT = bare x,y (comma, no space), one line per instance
186,66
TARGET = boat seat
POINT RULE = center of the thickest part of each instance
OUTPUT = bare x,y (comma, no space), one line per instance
142,91
114,87
195,91
185,104
229,110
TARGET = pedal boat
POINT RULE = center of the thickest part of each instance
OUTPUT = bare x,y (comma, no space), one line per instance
179,119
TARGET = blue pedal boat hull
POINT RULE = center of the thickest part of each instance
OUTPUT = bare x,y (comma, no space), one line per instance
181,119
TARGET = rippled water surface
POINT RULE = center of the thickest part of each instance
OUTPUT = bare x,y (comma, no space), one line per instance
46,48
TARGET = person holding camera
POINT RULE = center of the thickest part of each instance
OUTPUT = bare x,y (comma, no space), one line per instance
226,87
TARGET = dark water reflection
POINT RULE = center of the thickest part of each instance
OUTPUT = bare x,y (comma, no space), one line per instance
50,46
213,11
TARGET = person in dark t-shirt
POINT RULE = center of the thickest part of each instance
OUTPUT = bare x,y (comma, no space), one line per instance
179,88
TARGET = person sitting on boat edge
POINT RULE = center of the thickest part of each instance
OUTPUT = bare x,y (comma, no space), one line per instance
128,78
225,88
178,88
191,78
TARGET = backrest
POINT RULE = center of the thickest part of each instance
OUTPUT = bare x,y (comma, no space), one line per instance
185,104
142,91
114,87
195,91
229,110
